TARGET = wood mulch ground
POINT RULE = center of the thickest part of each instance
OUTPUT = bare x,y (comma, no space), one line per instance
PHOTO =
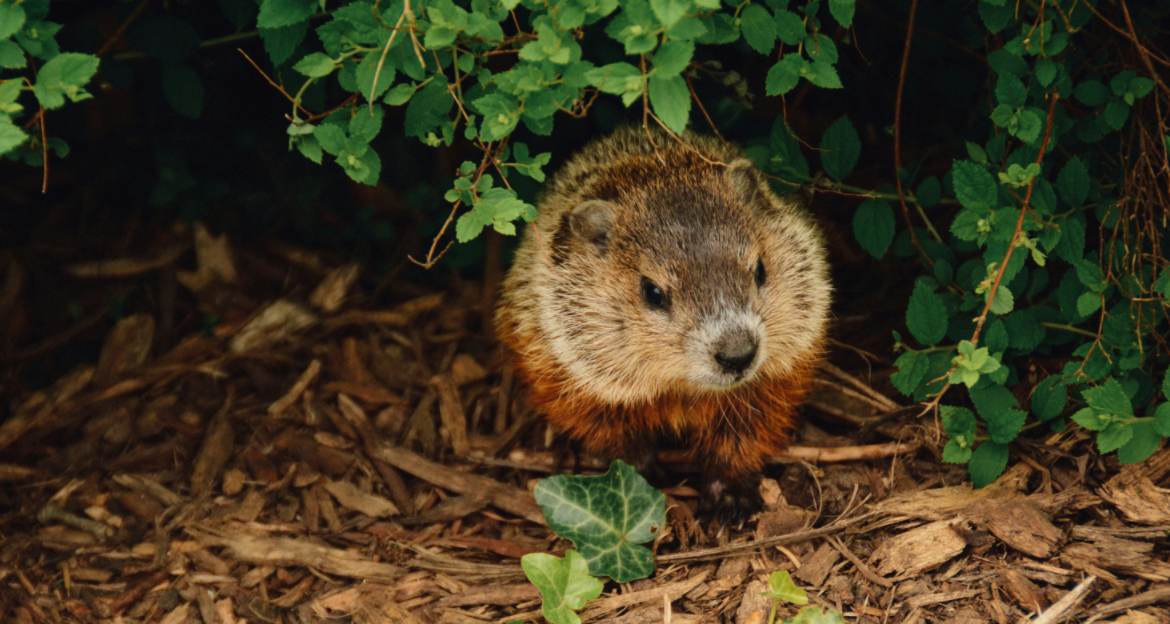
315,458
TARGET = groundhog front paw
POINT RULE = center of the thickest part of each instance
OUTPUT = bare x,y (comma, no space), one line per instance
730,502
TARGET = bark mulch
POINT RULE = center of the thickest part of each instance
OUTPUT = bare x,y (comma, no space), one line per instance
315,458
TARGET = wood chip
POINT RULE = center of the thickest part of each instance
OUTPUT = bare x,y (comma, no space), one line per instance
126,348
365,503
278,321
310,373
672,591
330,293
919,549
1024,592
283,551
1019,523
817,567
218,444
451,413
1134,493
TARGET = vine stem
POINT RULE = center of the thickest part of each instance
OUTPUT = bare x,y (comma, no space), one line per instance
898,132
1007,256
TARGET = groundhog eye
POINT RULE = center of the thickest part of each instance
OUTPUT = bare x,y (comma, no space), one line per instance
761,275
653,295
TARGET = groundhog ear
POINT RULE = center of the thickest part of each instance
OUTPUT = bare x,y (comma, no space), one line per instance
742,176
591,221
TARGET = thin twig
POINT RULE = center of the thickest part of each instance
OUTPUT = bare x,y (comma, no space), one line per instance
121,30
272,82
898,133
1063,607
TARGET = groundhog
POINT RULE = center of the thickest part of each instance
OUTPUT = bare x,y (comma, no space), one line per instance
665,291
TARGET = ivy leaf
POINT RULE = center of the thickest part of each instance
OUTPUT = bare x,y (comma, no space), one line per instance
1141,445
840,148
974,186
672,58
1049,398
12,18
281,13
842,11
781,587
873,226
1073,182
758,27
1109,398
564,584
784,75
671,100
1114,437
987,463
926,316
606,517
64,77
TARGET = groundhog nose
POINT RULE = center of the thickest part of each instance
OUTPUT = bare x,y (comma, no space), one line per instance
736,352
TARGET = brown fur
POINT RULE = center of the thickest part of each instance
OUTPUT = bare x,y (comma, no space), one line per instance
617,377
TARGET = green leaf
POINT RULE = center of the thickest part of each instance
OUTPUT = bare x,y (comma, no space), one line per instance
958,423
987,463
1004,301
974,186
997,407
1046,70
399,94
281,13
183,90
1114,437
280,43
842,11
1088,418
12,18
501,113
564,584
784,75
1010,91
840,148
669,12
1049,398
1109,398
1162,419
758,27
789,27
873,226
822,74
497,207
65,76
11,56
1141,445
782,588
955,453
428,108
616,78
1073,182
926,316
672,58
816,615
913,367
1166,384
365,124
1091,92
11,136
1116,113
606,517
367,69
315,65
671,100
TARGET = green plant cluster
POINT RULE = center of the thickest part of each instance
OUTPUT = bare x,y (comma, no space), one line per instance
34,71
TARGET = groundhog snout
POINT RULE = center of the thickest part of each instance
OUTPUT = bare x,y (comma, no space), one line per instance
736,351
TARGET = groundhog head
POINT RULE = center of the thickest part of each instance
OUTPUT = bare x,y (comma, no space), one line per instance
688,283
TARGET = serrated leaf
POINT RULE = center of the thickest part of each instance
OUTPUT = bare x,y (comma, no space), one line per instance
11,56
784,75
913,367
1114,437
789,27
1166,384
501,113
1091,92
1141,445
997,407
840,148
955,453
822,74
974,186
399,94
606,517
183,90
365,124
926,316
782,588
842,11
12,18
65,76
1162,419
428,108
1073,182
11,136
367,69
1049,398
672,58
758,28
280,43
958,423
1004,301
873,226
987,463
671,100
281,13
669,12
1109,398
1088,418
564,584
315,65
